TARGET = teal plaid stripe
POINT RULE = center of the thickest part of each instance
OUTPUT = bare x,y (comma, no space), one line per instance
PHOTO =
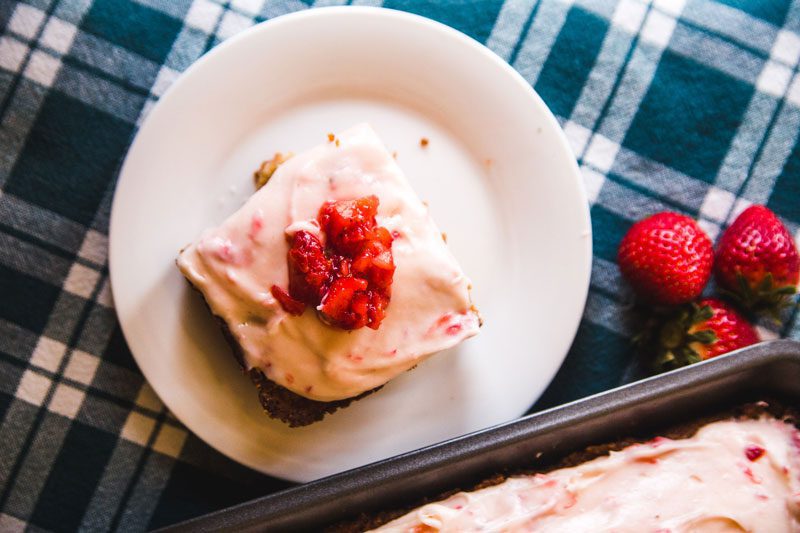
688,105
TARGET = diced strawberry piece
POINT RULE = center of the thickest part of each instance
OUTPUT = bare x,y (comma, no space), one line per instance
309,269
359,307
349,223
375,263
289,304
754,453
377,309
342,266
383,236
343,305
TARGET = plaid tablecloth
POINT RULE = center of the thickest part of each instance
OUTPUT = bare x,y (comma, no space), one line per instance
687,105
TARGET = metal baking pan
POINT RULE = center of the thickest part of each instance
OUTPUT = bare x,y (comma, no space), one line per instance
770,369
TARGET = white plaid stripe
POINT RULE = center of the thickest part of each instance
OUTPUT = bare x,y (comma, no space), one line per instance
766,169
508,27
626,204
661,179
276,8
122,467
120,64
58,35
602,9
233,23
632,89
542,34
602,78
792,22
250,7
26,21
43,225
776,150
40,66
731,23
17,343
12,53
608,313
41,450
141,505
605,275
48,354
203,15
736,166
12,524
33,260
23,107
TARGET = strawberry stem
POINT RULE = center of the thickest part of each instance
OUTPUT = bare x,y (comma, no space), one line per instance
667,336
765,299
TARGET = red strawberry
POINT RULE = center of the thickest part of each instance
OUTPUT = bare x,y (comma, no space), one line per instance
757,261
667,258
289,304
701,331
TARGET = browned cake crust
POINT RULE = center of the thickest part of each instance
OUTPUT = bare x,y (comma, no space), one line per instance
776,409
278,401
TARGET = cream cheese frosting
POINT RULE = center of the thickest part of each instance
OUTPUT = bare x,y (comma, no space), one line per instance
730,476
235,264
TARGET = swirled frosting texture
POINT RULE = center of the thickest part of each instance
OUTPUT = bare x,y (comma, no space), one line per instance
235,264
731,476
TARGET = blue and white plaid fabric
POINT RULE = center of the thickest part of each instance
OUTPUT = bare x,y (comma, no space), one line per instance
687,105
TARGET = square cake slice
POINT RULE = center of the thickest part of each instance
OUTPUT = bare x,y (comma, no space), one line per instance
331,279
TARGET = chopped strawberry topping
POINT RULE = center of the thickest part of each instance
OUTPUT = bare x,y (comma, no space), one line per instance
289,304
375,262
346,303
349,279
349,223
310,270
753,453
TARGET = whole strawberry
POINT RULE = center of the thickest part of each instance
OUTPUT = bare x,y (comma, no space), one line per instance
667,258
701,331
757,261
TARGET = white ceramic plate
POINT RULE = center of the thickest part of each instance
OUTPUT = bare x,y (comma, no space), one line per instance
499,177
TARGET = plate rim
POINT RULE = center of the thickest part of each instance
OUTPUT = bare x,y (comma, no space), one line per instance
586,246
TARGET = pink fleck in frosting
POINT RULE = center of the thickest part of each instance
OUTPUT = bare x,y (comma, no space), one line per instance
709,483
235,264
